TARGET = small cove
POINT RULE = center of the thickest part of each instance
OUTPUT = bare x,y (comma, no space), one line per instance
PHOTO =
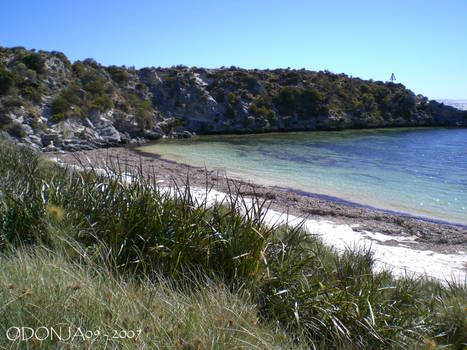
419,171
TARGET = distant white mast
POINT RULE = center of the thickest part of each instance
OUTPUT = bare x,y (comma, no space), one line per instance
392,78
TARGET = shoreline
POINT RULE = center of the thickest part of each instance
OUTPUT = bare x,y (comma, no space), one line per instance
424,233
370,207
306,193
428,193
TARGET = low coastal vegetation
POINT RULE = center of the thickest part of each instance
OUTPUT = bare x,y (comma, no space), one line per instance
47,102
109,252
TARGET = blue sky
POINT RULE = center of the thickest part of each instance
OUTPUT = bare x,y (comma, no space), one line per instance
423,42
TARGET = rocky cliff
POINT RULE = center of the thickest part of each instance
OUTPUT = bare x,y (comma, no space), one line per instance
48,103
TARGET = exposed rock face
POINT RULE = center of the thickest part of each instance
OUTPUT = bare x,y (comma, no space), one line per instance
50,104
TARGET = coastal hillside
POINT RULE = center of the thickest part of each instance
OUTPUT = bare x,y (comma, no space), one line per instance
50,103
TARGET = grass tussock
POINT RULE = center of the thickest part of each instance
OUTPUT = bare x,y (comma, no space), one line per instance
192,274
42,288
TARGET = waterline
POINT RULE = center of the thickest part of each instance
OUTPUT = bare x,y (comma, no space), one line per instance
416,171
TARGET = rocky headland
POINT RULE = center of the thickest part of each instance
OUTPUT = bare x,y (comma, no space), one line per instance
50,104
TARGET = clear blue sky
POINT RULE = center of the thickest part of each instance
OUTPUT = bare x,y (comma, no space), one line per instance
424,42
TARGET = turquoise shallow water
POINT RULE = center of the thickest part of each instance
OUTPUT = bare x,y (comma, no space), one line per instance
416,171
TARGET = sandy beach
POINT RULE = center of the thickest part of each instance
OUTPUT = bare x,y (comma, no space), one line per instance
404,244
423,234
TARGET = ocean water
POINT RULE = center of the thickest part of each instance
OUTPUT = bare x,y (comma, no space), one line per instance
421,172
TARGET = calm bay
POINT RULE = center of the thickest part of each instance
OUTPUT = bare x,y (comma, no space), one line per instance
418,171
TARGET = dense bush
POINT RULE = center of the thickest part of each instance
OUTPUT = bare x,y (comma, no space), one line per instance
73,94
16,129
263,113
78,68
143,114
101,102
285,99
119,74
82,99
232,98
58,117
94,85
91,62
32,93
291,78
250,80
35,62
60,105
7,81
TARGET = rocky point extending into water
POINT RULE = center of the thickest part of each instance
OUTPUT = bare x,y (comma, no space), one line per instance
50,104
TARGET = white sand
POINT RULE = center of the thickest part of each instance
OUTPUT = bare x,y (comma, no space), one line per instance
402,261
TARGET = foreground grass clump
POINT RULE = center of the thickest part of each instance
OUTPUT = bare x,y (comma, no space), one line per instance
42,288
136,232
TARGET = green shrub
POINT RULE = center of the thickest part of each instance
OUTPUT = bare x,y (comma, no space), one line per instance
124,106
32,93
101,102
16,129
7,81
291,78
364,88
131,98
23,73
73,95
58,117
285,99
144,114
262,112
253,108
233,99
20,51
311,95
35,62
141,87
119,74
79,68
95,85
91,62
230,112
60,105
272,117
204,96
219,96
12,101
250,81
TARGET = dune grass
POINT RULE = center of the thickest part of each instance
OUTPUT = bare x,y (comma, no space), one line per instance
43,288
135,243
